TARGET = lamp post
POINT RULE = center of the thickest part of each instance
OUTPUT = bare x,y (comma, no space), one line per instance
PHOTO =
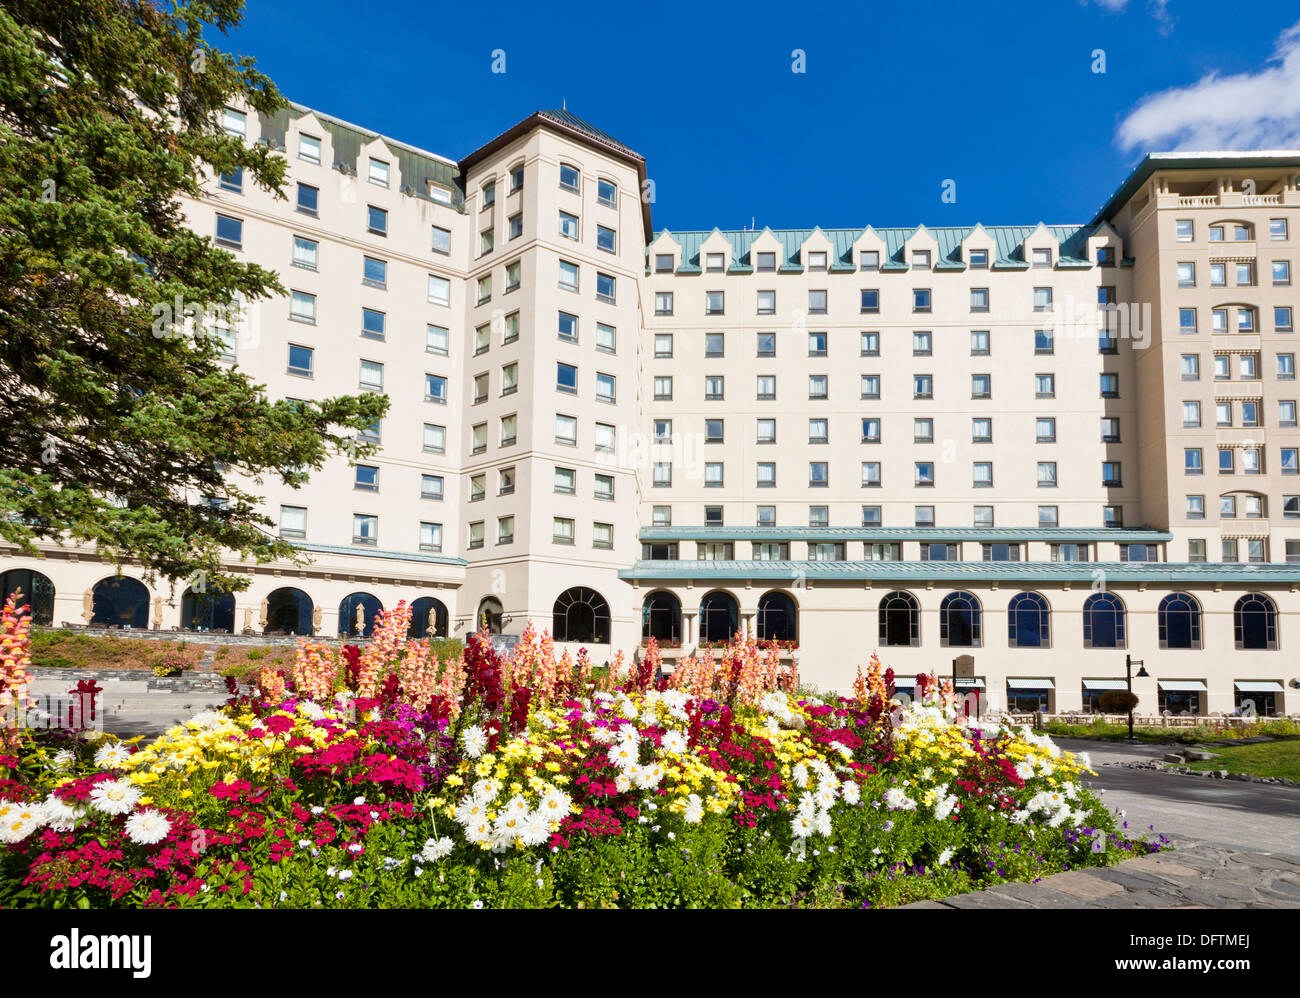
1128,673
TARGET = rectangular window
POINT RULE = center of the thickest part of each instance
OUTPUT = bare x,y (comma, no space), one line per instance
568,225
568,275
767,387
713,303
293,521
431,537
766,262
869,260
431,487
439,290
713,388
376,220
920,299
372,324
816,302
766,475
604,487
435,389
605,387
978,259
435,438
300,360
365,529
606,239
309,149
869,344
562,530
302,307
870,300
605,287
230,232
372,376
566,429
566,481
566,378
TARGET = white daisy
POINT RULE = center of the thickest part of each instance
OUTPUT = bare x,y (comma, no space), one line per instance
694,812
18,819
675,742
145,828
114,797
60,815
474,740
436,849
112,757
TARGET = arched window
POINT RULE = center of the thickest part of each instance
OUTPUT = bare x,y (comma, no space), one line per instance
959,621
1028,621
357,613
777,617
289,611
900,620
489,615
120,602
661,618
1179,621
1254,622
581,614
1104,621
208,612
428,618
38,592
719,617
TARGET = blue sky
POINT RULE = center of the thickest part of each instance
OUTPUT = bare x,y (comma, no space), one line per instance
896,98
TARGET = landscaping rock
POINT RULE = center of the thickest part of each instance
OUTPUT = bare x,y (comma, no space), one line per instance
1199,755
1173,757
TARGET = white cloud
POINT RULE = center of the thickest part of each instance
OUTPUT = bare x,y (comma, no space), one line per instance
1245,111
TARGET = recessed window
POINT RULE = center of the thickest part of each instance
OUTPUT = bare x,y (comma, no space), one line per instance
663,303
431,537
979,299
605,388
309,149
606,337
1183,230
663,263
606,239
300,360
767,387
372,324
978,259
305,252
981,386
713,388
230,232
605,288
293,521
606,193
232,181
568,275
870,300
302,307
920,299
435,438
715,263
566,378
435,389
663,345
869,260
515,226
431,487
816,302
374,272
1042,258
489,194
486,241
376,220
568,327
766,303
766,262
713,303
516,178
568,225
714,344
365,529
562,530
378,172
569,177
566,429
439,290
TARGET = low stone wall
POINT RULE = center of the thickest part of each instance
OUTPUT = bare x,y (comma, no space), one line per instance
1149,720
202,637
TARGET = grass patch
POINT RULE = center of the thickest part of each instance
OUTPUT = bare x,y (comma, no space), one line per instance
1279,759
63,649
1210,732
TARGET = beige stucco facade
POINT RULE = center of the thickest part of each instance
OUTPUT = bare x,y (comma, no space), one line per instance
864,421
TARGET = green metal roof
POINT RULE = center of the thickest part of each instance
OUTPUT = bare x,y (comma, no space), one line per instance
1174,573
1223,160
434,559
1051,534
1008,240
416,166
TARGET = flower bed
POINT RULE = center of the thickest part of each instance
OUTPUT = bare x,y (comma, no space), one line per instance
389,778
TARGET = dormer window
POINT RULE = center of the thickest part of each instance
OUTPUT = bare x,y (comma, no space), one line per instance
979,259
869,260
766,262
1042,258
920,259
1105,256
379,172
817,261
663,263
715,263
309,149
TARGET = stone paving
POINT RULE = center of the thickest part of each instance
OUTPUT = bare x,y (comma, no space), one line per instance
1195,875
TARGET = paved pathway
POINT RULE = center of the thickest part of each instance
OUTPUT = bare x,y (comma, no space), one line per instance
1236,845
1195,876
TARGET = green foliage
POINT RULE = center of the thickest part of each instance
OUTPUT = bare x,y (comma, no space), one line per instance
119,427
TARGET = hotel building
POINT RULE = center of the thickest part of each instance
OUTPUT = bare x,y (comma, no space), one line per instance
1048,447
